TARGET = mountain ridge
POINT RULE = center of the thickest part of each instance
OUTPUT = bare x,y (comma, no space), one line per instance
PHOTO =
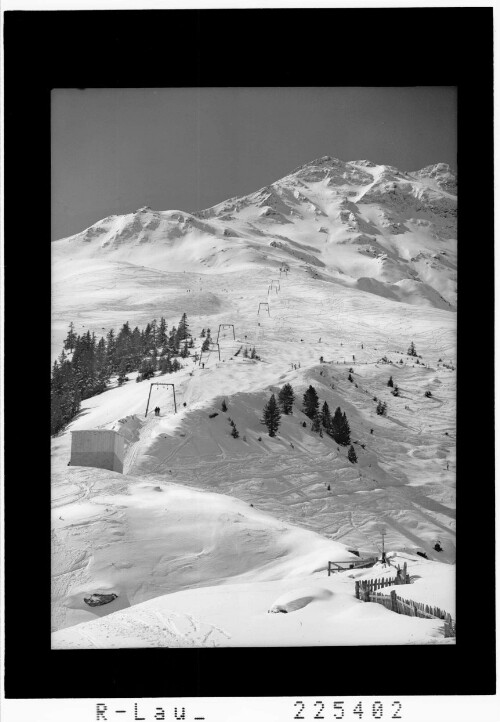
363,225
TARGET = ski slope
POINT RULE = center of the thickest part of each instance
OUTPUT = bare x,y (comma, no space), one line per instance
201,528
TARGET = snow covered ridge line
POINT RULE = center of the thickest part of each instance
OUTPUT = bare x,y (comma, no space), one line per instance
387,232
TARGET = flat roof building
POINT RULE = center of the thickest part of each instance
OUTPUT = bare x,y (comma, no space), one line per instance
100,448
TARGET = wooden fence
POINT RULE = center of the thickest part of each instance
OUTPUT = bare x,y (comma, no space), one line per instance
413,609
365,588
337,566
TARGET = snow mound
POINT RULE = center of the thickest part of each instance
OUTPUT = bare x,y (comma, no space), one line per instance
299,598
129,427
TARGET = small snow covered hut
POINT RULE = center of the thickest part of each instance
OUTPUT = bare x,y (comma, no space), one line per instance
101,448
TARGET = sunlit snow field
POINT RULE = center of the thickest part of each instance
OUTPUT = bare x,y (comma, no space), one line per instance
203,536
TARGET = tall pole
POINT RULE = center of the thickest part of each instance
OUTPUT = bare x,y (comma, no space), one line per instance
147,406
383,547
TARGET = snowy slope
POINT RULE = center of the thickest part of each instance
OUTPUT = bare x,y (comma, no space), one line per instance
372,227
309,611
372,261
150,538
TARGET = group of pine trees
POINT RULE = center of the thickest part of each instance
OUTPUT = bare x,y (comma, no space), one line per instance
86,364
207,339
336,426
250,353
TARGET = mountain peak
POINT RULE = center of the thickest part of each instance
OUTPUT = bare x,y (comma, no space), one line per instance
325,160
441,174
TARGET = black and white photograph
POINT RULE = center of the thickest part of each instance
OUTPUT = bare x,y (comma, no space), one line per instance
253,390
249,429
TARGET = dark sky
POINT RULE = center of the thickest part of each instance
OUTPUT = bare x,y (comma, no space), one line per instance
115,150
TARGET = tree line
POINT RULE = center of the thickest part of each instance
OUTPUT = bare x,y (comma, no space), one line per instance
86,364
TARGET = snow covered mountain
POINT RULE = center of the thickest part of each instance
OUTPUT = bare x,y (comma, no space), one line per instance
203,534
366,226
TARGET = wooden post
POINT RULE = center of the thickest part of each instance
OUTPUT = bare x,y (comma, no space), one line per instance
356,590
394,604
383,546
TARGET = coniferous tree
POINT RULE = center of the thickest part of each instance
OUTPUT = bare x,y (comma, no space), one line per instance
272,416
340,429
136,349
316,424
123,346
206,344
349,378
154,334
69,343
310,402
183,329
185,350
148,338
83,364
381,408
64,393
102,374
286,398
390,382
351,455
162,333
326,418
412,350
111,351
395,391
345,431
172,340
202,334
